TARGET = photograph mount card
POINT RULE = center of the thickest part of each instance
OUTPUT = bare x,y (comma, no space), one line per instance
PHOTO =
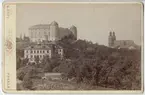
73,47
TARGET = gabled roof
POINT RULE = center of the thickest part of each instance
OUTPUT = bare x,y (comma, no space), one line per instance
43,26
38,46
40,26
43,46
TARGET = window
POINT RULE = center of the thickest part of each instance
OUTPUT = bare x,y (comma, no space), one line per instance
31,51
31,56
43,51
59,50
26,51
38,51
124,43
34,51
47,51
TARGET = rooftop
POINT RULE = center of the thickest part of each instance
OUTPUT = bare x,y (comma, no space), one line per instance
43,26
38,46
124,43
40,26
43,46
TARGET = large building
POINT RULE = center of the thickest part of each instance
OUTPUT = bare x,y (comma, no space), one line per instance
50,32
40,51
113,43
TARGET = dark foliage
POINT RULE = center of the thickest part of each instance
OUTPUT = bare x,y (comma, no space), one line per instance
93,64
100,65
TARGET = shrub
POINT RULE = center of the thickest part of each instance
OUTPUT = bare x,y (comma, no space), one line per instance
27,83
20,75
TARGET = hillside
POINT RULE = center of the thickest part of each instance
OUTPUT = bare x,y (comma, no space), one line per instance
95,65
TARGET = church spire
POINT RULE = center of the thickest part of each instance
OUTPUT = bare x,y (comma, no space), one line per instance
114,37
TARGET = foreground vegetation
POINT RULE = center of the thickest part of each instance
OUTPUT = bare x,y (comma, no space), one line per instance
88,64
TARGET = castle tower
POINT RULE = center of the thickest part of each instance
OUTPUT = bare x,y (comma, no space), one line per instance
54,28
110,40
73,29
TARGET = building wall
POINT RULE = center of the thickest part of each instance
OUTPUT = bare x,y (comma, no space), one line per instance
31,54
50,32
54,33
64,32
40,51
73,29
37,34
60,52
124,43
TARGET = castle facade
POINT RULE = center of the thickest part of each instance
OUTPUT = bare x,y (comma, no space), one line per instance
50,32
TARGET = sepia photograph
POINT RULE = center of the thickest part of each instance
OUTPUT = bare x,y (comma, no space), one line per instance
79,46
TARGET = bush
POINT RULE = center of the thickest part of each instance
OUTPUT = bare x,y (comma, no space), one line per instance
28,84
27,81
20,75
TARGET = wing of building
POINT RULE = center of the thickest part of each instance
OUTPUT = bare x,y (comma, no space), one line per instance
50,32
42,50
125,44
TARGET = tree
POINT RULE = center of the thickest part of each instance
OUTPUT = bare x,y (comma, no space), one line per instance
18,62
48,68
27,81
20,75
45,60
37,59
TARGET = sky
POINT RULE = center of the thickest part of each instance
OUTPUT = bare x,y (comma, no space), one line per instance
93,21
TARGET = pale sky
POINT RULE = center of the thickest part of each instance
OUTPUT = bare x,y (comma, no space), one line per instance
93,21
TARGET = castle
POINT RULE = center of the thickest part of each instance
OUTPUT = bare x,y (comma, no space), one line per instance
113,43
50,32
